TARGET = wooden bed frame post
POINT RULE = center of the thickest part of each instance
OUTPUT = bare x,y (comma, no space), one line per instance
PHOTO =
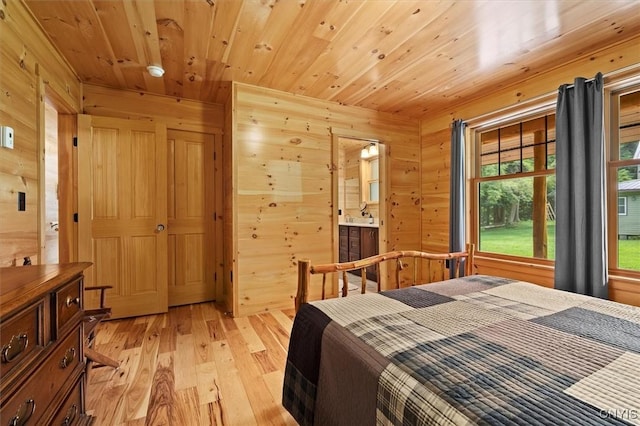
304,276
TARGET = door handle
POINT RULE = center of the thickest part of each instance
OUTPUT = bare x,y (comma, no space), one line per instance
160,227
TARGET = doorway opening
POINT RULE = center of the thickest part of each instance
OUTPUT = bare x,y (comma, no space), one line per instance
57,176
360,199
51,249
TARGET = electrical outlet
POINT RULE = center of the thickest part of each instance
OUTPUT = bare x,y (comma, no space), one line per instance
6,137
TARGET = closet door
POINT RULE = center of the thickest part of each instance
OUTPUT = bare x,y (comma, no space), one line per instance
191,206
122,212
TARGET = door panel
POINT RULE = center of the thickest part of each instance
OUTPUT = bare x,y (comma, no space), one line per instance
122,192
191,216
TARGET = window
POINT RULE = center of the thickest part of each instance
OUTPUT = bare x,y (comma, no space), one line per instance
515,193
622,206
370,177
624,190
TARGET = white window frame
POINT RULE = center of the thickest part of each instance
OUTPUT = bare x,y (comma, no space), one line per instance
624,198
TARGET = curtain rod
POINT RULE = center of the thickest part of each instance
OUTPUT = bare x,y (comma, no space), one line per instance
586,80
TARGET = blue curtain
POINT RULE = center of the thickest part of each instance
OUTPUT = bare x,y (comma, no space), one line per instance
581,255
457,194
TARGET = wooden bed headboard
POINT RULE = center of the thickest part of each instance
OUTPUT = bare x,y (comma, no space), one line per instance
305,269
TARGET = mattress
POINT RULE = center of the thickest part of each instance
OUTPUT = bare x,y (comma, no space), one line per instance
473,350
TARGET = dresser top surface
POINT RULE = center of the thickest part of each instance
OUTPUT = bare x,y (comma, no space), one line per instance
19,285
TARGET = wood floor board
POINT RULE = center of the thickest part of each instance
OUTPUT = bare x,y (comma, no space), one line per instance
137,394
253,341
107,330
235,400
188,406
185,362
279,329
125,324
162,409
228,323
274,352
201,337
192,366
216,331
128,359
211,414
210,312
274,384
250,373
208,387
168,339
183,319
135,335
285,321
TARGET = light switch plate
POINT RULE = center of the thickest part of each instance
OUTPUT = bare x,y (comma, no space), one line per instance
6,137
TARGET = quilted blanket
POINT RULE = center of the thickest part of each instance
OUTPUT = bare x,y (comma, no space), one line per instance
474,350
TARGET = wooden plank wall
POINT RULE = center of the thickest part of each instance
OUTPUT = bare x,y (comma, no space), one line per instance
176,113
29,61
283,199
435,157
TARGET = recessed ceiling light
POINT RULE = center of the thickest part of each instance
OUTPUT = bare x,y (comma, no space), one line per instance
155,71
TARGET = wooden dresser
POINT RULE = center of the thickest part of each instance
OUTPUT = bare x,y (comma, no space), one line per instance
42,366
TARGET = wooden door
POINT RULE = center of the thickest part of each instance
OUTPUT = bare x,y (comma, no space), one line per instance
122,206
191,230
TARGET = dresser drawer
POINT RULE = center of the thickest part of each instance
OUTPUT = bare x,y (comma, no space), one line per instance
71,410
343,230
21,338
32,399
67,302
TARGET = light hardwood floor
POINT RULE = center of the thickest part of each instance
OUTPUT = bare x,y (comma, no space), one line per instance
192,366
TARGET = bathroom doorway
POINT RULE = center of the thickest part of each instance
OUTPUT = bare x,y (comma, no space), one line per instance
360,194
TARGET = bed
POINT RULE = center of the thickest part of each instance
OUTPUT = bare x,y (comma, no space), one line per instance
473,349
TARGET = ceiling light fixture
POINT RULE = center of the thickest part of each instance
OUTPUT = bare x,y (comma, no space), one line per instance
373,150
368,151
364,153
155,70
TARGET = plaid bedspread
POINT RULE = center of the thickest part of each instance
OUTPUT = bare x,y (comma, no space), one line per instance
474,350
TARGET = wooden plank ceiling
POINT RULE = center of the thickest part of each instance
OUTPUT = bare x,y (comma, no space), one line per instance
407,57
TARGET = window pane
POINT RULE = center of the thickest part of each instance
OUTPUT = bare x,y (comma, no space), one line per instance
374,189
489,153
374,169
628,223
622,205
490,165
510,153
629,126
517,216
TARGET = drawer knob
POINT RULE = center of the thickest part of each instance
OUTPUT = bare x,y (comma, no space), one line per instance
15,347
71,415
24,413
72,301
69,356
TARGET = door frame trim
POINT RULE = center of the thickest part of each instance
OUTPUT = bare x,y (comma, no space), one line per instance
384,153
